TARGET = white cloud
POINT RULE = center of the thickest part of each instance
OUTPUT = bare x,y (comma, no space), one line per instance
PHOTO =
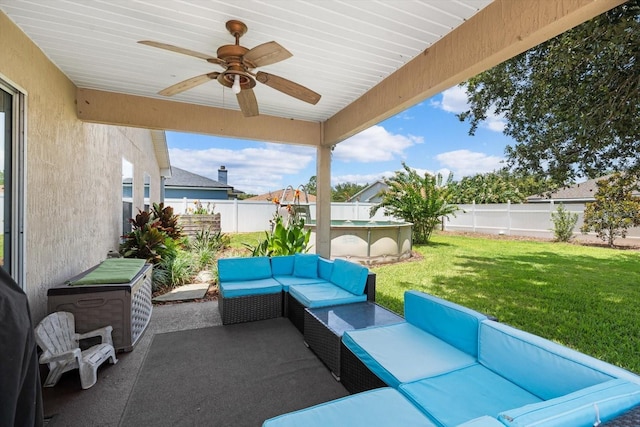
465,162
375,144
454,100
253,170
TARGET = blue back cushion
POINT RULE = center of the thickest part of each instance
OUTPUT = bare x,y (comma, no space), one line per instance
542,367
282,265
349,276
452,323
325,268
305,265
236,269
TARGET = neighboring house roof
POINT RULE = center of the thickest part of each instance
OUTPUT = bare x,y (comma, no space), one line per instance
370,193
181,178
284,196
581,192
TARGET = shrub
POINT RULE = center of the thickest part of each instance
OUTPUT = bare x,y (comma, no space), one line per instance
615,208
563,224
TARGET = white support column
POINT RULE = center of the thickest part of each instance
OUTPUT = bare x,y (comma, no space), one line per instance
323,203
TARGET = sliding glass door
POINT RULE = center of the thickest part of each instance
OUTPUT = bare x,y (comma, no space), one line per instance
11,181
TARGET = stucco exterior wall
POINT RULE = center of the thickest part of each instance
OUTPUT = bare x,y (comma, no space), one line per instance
73,172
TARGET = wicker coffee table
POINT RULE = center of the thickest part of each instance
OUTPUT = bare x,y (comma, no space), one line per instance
323,327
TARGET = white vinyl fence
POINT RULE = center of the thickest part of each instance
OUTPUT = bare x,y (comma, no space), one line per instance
529,219
240,216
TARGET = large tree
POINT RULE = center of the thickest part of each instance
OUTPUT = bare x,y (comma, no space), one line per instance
343,191
572,104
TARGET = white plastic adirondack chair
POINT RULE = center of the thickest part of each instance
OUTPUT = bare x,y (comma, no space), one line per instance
56,335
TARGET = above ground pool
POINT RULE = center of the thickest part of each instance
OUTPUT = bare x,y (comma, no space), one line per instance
368,242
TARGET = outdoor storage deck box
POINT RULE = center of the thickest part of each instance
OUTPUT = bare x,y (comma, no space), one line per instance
125,306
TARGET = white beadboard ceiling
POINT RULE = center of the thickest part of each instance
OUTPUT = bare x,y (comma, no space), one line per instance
341,48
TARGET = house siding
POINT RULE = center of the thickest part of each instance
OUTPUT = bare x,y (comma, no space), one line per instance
73,174
196,194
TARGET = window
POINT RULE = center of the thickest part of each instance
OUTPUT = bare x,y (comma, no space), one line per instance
147,190
12,181
127,195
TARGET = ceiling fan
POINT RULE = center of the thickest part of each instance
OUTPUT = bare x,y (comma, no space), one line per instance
238,63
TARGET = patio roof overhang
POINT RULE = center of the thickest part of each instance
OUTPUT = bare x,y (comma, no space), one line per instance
357,70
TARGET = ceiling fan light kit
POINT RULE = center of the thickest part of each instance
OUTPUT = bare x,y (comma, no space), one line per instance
238,63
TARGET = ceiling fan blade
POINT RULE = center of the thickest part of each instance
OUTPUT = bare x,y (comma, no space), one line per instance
188,84
248,103
182,50
266,54
288,87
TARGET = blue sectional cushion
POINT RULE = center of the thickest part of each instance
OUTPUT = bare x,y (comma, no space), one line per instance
484,421
323,295
237,269
349,276
325,268
558,370
402,352
466,394
287,281
450,322
250,287
606,400
383,407
282,265
306,265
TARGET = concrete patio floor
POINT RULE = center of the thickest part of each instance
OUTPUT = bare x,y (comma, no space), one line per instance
105,402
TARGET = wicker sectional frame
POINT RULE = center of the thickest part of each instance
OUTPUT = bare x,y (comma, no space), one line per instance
323,342
250,308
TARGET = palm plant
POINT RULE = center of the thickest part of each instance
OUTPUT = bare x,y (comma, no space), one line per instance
421,200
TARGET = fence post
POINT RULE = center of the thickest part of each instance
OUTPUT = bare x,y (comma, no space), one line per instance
235,215
185,205
509,217
473,215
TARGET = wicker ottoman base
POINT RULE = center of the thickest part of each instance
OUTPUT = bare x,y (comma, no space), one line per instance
355,376
250,308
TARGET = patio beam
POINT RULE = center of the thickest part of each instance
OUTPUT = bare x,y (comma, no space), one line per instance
137,111
502,30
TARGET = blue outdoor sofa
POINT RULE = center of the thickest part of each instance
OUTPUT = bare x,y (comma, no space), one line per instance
257,288
447,365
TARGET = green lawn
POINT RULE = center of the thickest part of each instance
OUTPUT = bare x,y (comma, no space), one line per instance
587,298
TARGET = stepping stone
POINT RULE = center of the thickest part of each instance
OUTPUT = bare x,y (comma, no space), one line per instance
184,292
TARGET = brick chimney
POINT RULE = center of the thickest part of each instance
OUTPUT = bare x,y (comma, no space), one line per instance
222,175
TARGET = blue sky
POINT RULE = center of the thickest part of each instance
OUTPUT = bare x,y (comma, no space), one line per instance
427,137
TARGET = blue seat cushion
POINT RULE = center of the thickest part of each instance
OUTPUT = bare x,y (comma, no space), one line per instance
349,276
238,269
323,295
466,394
402,353
287,281
612,399
282,265
325,268
250,287
306,265
383,407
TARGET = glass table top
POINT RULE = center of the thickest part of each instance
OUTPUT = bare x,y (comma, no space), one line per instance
341,318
